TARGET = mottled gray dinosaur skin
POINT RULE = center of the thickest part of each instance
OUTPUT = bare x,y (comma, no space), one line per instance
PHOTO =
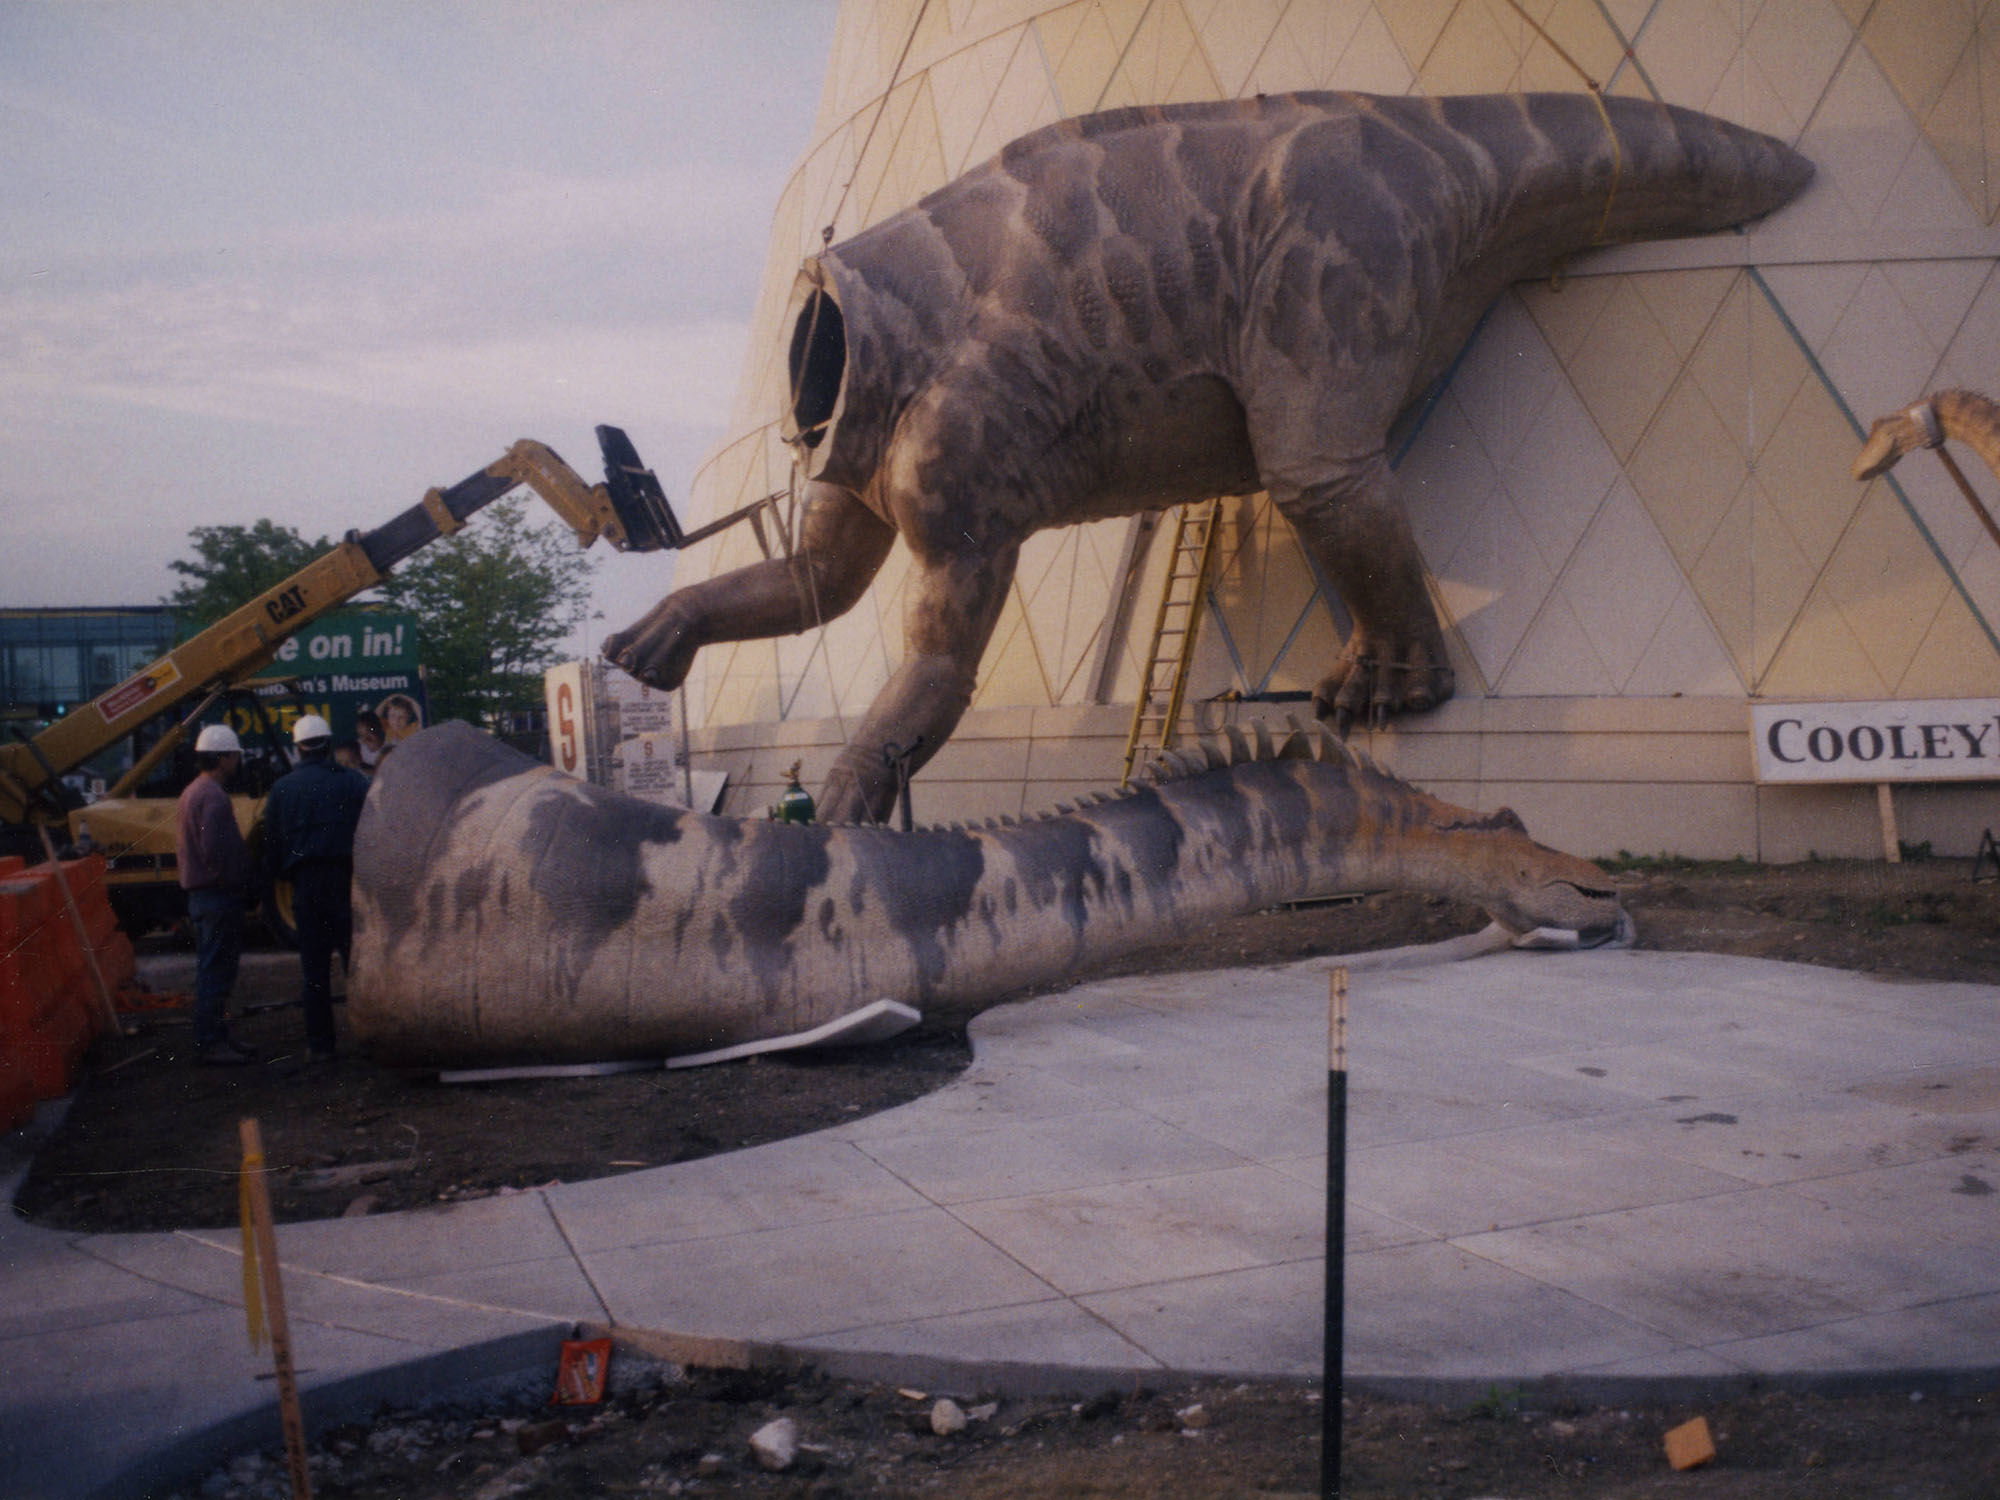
1147,306
505,913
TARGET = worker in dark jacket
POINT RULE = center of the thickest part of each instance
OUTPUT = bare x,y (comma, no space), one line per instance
309,822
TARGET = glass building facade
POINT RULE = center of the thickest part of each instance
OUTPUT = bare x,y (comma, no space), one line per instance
53,659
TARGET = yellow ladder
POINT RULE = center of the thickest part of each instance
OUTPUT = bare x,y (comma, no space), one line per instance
1158,710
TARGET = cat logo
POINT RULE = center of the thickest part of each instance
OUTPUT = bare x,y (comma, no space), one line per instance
290,602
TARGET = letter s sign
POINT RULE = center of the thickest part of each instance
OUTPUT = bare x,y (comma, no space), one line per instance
566,757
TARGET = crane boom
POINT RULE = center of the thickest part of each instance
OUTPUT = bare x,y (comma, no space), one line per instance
629,510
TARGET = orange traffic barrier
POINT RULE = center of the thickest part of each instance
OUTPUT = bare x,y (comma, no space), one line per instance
30,970
50,1009
108,944
17,1088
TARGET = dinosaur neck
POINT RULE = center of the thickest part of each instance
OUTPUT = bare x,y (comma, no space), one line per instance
504,911
866,319
1972,420
1131,873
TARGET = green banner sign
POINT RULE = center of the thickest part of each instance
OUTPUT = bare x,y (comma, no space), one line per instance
338,666
350,642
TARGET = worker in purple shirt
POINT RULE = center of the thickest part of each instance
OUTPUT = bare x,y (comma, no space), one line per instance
216,873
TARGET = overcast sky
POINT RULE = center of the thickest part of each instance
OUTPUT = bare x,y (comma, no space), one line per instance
306,260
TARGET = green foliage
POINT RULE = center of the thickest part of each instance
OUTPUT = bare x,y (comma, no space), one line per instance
232,565
493,604
1498,1402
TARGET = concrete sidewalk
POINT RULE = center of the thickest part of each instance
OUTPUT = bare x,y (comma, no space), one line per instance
1591,1167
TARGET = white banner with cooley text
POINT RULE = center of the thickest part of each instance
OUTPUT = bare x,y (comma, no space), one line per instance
1926,739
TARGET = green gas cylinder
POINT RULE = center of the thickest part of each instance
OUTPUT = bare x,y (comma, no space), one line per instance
795,803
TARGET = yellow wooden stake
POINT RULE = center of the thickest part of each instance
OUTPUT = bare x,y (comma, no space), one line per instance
261,1236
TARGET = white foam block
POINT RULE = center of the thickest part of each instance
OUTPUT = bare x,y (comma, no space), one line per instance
875,1022
1561,938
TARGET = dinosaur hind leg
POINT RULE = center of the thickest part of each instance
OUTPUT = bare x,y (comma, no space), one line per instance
1394,661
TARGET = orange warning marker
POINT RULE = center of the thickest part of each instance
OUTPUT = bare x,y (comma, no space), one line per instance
581,1372
1689,1445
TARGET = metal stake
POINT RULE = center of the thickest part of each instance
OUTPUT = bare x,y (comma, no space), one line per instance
1331,1384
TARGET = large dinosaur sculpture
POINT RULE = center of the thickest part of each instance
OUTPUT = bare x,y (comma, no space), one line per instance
1147,306
506,913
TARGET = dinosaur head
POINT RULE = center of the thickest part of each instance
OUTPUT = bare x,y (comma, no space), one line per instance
1524,885
1894,435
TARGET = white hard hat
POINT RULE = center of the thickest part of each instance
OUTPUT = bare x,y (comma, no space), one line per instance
218,739
311,727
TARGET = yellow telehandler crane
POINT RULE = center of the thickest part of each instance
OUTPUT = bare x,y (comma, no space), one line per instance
629,510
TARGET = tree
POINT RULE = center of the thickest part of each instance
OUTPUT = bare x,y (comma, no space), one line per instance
493,603
233,565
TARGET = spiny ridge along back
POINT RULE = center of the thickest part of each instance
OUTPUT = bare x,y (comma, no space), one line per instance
1237,745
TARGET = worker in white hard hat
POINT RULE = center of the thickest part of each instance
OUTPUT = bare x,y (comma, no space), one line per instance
217,874
309,822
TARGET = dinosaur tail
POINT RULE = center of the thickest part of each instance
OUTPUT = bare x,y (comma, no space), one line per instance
1674,171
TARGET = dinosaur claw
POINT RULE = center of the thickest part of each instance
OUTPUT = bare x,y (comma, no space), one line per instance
1343,718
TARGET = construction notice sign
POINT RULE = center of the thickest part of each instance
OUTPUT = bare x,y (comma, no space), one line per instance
1929,739
127,696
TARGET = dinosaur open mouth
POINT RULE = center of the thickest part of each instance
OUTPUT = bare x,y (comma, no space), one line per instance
1593,892
1593,913
817,363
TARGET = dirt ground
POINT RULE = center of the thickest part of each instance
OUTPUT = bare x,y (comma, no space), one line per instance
151,1143
687,1433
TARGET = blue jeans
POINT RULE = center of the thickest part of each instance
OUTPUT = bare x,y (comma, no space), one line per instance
218,949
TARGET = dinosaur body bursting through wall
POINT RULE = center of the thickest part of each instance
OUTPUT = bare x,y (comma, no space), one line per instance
1132,309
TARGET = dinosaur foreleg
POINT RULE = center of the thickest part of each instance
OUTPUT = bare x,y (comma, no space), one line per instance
954,603
843,547
1394,661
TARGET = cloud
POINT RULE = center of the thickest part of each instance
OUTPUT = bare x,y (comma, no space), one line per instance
243,350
